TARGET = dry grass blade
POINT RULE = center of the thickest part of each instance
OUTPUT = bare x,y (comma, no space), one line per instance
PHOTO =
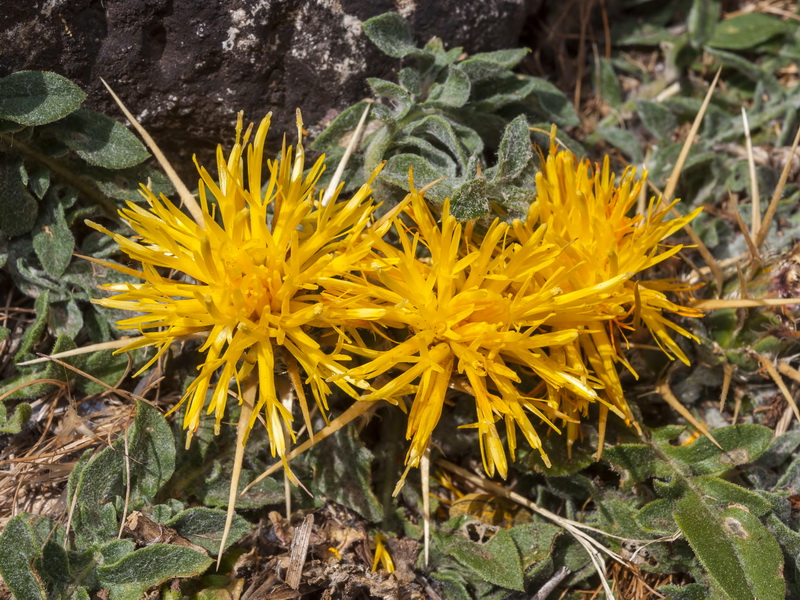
112,345
127,486
93,379
751,245
425,474
717,303
784,368
766,363
298,552
713,264
672,182
249,389
755,198
727,374
337,176
662,387
183,192
776,197
698,273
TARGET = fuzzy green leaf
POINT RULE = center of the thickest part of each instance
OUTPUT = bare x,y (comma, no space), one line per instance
410,80
725,493
656,517
401,99
658,120
37,97
213,491
100,140
129,578
391,34
204,527
18,549
702,21
18,208
534,541
752,71
746,31
438,158
497,561
18,418
39,181
99,481
66,318
123,184
116,550
441,131
152,452
515,151
470,200
737,551
742,444
608,83
453,589
453,93
690,591
552,101
34,331
623,140
397,169
53,243
486,65
635,462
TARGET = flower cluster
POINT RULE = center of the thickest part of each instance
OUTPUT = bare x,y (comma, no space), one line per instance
249,277
526,318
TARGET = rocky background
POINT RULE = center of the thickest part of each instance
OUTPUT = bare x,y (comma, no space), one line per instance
185,68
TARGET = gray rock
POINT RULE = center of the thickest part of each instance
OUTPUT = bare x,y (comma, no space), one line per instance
185,67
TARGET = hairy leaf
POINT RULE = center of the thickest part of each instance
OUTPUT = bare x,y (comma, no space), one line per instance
100,140
391,34
18,549
37,97
746,31
130,577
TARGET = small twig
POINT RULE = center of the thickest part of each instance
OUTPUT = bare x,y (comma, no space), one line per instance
551,584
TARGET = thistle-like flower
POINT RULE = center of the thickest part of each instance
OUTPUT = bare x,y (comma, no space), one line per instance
471,314
589,216
249,277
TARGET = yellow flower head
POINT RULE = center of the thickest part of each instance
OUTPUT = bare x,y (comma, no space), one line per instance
591,217
469,313
248,277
